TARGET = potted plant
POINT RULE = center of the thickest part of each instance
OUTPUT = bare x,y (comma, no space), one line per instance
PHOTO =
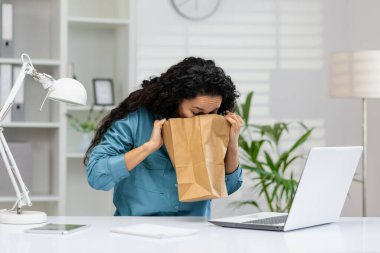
85,125
267,162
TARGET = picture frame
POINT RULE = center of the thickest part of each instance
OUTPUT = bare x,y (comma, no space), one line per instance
103,91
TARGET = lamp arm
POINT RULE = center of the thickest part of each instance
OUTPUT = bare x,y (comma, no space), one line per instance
57,90
14,174
10,164
27,68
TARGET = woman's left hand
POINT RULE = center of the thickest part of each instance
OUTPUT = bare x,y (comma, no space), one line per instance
236,123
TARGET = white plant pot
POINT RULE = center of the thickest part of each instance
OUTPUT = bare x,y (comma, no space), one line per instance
85,142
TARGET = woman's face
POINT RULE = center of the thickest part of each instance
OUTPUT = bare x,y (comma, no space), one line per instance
199,105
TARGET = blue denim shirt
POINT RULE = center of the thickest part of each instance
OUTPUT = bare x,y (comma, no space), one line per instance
151,187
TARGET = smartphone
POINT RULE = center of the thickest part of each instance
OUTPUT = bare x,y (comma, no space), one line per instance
52,228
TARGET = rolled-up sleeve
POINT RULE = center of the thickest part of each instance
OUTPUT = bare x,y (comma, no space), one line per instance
106,165
234,180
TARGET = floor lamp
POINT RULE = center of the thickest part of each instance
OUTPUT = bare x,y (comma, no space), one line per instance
356,74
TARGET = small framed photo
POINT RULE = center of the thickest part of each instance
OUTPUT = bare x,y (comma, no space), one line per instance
103,91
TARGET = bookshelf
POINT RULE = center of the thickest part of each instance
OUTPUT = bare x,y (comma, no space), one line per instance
98,35
93,36
41,130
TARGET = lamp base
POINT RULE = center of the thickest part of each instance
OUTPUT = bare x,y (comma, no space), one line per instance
27,217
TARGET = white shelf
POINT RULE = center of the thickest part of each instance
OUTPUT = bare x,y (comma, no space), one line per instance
36,62
87,108
43,39
107,23
69,29
98,22
35,198
75,155
30,125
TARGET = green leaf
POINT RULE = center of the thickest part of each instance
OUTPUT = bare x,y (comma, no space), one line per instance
258,170
239,204
286,164
255,148
301,140
257,143
246,107
269,161
243,144
86,123
274,192
238,111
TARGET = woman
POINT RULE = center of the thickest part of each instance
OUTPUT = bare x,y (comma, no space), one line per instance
127,152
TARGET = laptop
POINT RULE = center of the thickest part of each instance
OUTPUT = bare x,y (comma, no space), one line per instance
320,195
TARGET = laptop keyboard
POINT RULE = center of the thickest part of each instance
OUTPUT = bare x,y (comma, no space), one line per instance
269,221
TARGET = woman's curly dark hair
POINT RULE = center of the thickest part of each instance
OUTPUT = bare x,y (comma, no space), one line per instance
162,95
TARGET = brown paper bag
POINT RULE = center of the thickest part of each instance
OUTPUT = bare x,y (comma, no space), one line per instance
197,147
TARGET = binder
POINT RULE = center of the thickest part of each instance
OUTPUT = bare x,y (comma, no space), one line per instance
6,30
18,108
5,87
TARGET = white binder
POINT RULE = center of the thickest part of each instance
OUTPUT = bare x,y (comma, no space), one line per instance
5,87
18,109
6,30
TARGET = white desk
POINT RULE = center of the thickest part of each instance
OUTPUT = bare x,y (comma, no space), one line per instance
348,235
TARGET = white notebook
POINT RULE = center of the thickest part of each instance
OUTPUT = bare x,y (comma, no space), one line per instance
154,231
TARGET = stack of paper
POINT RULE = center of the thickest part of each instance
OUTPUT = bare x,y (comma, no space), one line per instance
154,231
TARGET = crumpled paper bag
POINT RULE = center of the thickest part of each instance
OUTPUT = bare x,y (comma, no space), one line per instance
197,147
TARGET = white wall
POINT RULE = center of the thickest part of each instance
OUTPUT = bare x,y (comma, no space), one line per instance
279,49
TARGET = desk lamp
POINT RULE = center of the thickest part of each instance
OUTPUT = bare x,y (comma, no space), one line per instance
64,90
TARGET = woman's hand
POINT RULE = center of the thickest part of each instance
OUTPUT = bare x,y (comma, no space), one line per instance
236,123
137,155
232,159
156,140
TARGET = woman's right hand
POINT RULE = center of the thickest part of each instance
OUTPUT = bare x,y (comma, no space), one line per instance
156,140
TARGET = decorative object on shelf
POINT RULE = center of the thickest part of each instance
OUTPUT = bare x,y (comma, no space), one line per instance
195,9
85,142
64,90
267,161
103,91
357,75
85,125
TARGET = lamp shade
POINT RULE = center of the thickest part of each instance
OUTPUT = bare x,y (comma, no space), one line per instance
69,91
355,74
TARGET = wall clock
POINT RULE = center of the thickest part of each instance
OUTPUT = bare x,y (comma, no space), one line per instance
195,9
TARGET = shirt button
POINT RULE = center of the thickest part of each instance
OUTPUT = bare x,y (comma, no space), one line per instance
176,207
175,185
